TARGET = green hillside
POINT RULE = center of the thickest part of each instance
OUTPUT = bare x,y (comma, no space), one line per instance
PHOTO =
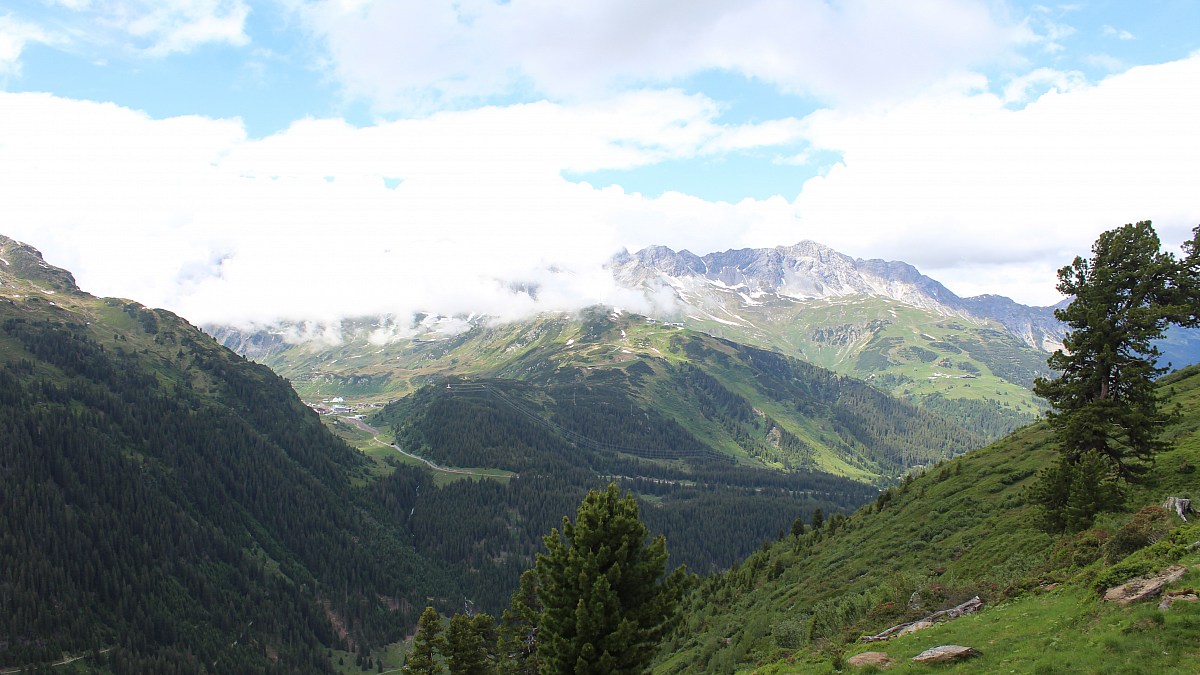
966,368
970,371
964,528
751,405
714,512
167,506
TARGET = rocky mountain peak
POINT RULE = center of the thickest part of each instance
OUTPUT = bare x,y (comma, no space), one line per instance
22,264
808,270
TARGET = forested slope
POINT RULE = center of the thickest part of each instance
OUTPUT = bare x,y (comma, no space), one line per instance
171,507
713,513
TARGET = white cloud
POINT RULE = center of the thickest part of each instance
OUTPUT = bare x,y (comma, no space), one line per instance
14,36
191,214
1109,31
152,28
416,54
1019,88
960,183
1050,32
162,27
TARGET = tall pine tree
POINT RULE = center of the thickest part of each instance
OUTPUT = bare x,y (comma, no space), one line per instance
1106,407
606,601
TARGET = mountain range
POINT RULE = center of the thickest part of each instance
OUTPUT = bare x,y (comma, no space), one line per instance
973,359
721,286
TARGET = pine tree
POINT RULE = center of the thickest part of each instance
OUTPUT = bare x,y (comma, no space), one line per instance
1093,489
606,604
797,527
1124,298
470,644
1106,409
517,644
426,645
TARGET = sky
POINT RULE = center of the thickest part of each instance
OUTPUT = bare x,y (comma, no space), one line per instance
247,161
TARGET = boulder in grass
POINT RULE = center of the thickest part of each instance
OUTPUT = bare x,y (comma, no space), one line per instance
1144,587
877,659
945,654
914,627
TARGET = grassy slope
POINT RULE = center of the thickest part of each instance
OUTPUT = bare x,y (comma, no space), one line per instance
647,364
964,528
906,351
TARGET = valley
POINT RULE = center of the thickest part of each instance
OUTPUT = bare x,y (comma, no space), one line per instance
186,507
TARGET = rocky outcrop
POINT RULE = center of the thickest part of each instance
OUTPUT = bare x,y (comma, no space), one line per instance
22,262
1184,595
969,607
254,345
1141,588
945,654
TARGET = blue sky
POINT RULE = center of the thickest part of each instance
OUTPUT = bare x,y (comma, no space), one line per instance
216,156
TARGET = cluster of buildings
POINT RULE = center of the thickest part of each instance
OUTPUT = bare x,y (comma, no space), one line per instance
337,406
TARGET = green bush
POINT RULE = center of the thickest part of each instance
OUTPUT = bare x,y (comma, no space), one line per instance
1146,527
1080,550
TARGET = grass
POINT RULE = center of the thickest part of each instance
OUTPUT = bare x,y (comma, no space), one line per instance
1068,630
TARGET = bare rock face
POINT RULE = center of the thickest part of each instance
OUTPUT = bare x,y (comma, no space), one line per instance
968,607
1144,587
809,270
877,659
945,654
22,264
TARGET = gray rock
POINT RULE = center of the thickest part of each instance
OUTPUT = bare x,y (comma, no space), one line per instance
945,654
877,659
1144,587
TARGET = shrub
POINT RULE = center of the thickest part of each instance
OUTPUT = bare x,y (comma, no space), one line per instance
1146,527
1080,550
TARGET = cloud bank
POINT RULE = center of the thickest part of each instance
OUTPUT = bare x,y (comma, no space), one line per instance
465,204
458,211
